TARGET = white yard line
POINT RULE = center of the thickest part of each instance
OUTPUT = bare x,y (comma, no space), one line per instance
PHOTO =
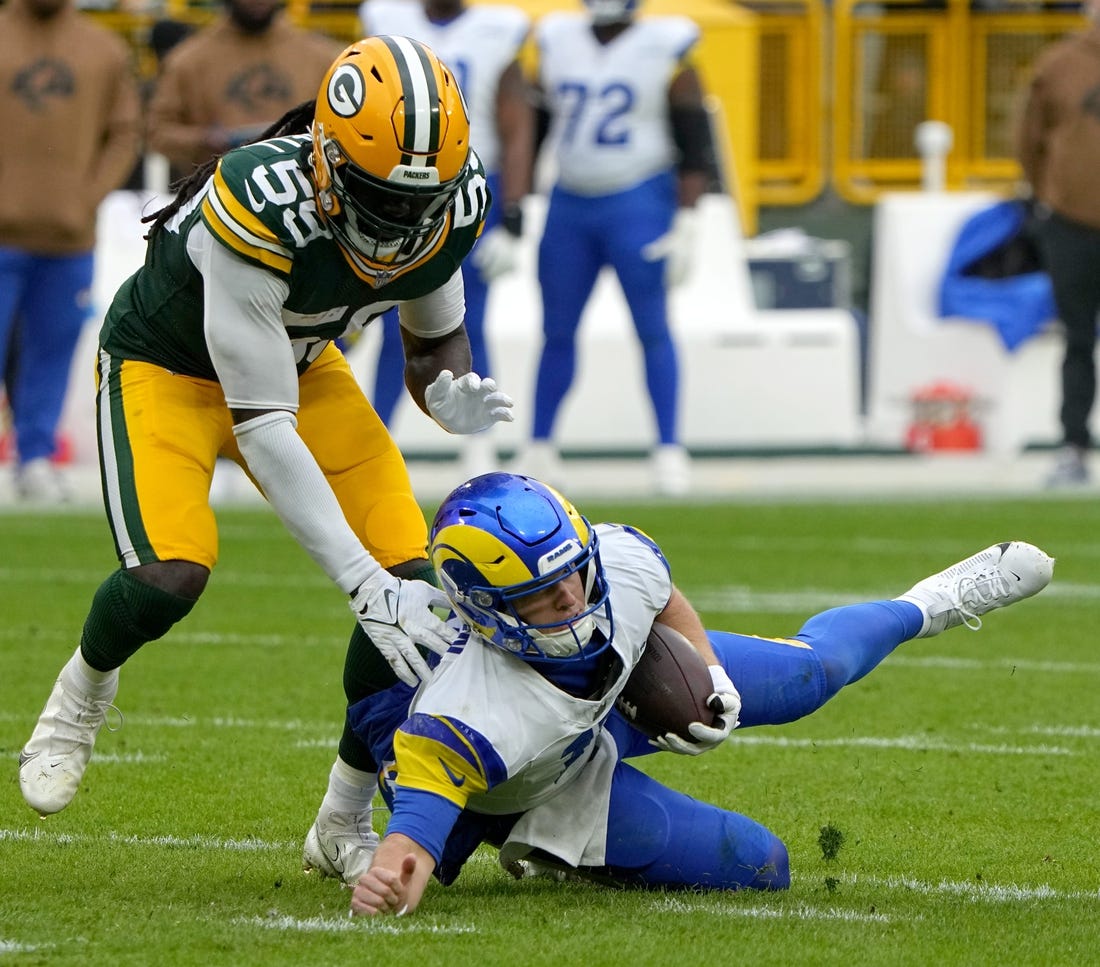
975,891
388,925
15,947
808,601
967,889
36,834
1001,662
916,743
803,911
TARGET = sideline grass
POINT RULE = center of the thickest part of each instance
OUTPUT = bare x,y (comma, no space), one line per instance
943,810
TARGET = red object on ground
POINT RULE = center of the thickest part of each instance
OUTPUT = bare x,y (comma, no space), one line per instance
943,419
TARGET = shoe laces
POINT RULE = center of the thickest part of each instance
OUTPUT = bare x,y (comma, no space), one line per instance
974,593
83,717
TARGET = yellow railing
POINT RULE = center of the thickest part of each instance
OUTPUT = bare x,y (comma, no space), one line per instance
792,104
896,66
337,18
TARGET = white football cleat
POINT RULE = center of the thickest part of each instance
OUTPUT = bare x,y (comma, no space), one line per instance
998,576
671,470
53,761
340,845
38,481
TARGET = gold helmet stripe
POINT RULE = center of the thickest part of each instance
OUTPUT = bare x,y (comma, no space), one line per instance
420,94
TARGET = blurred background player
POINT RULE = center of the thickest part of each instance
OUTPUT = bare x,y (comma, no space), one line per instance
222,343
70,111
1058,145
633,151
481,44
515,741
223,85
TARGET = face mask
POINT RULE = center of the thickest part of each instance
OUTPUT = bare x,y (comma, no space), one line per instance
566,641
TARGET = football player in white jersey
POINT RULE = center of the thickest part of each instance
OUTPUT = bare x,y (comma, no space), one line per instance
633,147
481,44
515,741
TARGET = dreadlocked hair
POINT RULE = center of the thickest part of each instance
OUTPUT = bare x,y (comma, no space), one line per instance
297,120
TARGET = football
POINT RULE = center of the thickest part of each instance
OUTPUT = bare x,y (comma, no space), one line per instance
668,688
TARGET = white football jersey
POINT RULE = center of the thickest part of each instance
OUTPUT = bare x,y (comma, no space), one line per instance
609,103
557,757
477,45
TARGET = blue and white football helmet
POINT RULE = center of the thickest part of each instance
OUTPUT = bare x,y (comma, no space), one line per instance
605,12
501,537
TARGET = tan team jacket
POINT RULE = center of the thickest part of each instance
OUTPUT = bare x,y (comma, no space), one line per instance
1058,142
239,83
71,121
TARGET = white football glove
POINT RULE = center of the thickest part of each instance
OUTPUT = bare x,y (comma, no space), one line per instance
397,615
725,700
496,253
676,247
467,404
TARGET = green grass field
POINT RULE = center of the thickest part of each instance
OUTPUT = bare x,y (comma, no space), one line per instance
942,810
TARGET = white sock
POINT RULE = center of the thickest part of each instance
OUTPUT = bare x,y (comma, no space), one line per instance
86,678
349,790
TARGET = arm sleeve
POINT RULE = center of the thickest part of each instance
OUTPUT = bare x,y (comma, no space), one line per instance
425,818
297,489
255,365
248,344
438,313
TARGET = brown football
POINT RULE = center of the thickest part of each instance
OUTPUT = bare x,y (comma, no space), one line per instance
669,686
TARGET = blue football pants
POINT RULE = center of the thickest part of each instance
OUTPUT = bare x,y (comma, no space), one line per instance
581,236
660,837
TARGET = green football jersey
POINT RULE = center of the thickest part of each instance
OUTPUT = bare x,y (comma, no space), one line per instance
260,204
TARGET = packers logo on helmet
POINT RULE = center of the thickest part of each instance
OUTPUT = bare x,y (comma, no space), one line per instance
391,146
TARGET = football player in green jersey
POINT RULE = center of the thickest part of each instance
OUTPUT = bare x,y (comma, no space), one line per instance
222,345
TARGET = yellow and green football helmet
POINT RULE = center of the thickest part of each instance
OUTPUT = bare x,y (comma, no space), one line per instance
391,146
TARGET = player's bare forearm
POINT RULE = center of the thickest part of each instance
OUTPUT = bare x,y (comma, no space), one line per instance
679,614
396,879
425,359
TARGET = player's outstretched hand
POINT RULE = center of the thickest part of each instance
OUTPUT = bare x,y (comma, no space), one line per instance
467,404
397,615
380,890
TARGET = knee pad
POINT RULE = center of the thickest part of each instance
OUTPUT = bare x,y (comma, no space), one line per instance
125,614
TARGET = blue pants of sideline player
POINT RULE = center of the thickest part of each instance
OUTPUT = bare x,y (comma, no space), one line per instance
48,297
582,235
